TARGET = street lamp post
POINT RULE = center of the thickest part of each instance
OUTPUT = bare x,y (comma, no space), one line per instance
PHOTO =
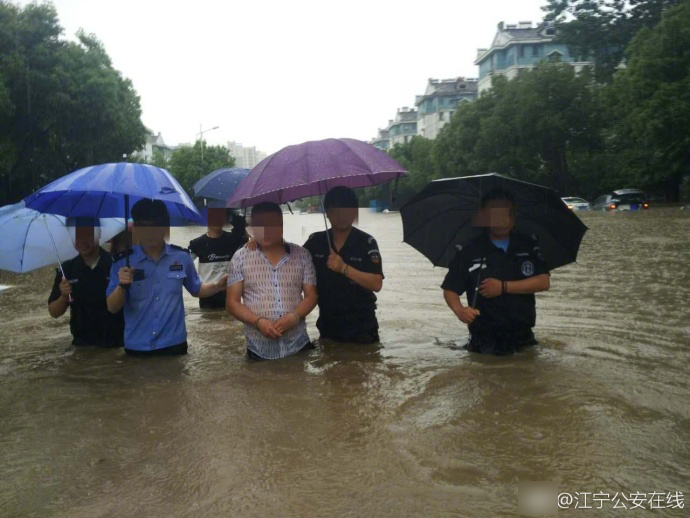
201,140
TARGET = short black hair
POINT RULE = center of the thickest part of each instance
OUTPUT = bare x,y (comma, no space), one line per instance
239,222
340,197
498,193
266,207
151,211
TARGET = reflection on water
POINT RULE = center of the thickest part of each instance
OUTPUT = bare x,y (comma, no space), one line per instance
416,427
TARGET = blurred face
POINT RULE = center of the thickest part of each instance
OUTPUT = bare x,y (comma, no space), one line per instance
342,218
498,216
267,229
216,218
85,240
149,234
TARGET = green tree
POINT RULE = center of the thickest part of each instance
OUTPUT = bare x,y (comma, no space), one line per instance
532,128
602,29
190,163
158,159
651,105
62,104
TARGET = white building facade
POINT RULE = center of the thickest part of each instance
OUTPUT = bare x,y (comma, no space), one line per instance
246,157
520,47
439,102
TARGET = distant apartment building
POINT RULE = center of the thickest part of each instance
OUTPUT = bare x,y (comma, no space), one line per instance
403,127
382,140
246,157
439,102
519,47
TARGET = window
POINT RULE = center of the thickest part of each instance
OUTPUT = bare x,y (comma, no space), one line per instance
536,51
555,56
521,51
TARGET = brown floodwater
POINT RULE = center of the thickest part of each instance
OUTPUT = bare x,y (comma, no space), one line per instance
417,427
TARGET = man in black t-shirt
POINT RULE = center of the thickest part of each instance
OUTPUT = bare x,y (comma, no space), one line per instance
347,275
501,270
215,249
86,279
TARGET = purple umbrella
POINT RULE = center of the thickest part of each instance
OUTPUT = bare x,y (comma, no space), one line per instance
312,168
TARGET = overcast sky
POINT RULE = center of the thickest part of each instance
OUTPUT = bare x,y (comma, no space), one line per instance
270,74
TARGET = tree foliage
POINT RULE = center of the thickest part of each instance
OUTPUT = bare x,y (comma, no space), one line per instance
190,163
529,128
62,104
602,29
651,104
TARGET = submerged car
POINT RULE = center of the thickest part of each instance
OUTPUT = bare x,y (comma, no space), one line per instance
574,203
622,199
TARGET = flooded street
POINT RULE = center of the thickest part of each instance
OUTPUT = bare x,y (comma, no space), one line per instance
417,427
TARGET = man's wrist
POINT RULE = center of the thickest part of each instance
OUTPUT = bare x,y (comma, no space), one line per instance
346,270
259,319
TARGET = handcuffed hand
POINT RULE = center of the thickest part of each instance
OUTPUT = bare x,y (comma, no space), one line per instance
286,322
268,329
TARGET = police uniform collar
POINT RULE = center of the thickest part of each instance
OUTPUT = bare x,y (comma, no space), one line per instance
139,254
352,234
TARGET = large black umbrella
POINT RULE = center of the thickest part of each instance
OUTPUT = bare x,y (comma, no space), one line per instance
440,217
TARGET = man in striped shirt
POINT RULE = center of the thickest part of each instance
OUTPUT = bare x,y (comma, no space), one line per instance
272,289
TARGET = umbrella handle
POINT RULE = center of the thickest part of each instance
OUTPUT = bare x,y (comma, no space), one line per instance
127,227
328,238
69,297
476,287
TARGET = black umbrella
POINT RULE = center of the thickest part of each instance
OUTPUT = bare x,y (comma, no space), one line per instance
440,217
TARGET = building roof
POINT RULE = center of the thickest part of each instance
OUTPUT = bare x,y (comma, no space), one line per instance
405,115
448,88
523,32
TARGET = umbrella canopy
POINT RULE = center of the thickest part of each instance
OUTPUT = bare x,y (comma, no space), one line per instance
100,191
440,217
31,239
312,168
220,184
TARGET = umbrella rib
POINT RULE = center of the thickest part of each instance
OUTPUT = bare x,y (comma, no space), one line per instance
450,241
26,235
100,205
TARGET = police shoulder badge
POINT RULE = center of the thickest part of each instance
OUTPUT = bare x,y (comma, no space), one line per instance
527,269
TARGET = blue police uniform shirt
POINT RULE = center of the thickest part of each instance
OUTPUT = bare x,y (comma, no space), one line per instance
154,310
